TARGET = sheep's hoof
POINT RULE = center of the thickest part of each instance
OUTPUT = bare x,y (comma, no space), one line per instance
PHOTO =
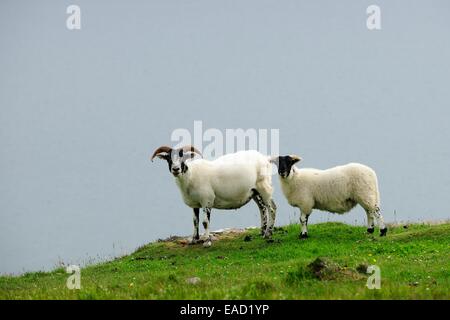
207,243
304,236
370,230
268,234
194,241
383,232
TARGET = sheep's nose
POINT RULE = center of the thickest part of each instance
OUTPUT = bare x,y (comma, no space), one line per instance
176,170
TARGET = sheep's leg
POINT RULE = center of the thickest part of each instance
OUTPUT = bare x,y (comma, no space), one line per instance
271,219
263,214
206,220
370,222
304,215
379,217
272,212
262,211
196,235
265,191
373,213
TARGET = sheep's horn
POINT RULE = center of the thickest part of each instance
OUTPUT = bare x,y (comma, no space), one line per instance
191,148
161,149
295,157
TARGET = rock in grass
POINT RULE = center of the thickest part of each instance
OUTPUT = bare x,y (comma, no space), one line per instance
193,280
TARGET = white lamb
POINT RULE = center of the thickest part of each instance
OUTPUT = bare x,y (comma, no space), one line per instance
336,190
229,182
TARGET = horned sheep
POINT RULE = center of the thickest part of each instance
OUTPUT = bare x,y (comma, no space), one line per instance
228,182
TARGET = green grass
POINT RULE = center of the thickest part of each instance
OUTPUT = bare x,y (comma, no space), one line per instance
414,263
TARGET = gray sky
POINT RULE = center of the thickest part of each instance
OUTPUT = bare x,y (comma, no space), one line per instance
81,111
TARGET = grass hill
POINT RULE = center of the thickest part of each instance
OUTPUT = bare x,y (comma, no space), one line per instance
331,264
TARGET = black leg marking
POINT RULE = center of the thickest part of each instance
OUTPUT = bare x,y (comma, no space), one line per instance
303,225
208,218
263,210
370,230
304,221
206,221
196,235
383,232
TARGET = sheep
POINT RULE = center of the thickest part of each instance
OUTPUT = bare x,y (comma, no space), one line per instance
336,190
229,182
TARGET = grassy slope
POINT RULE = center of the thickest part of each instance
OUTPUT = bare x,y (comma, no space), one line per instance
414,262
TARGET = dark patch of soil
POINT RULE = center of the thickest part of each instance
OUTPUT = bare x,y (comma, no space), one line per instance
324,269
362,268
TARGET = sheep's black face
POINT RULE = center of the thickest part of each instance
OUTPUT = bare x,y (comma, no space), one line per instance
177,161
176,158
284,164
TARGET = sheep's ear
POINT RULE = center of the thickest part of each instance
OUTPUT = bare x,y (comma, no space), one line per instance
191,151
273,159
190,155
162,155
162,152
295,158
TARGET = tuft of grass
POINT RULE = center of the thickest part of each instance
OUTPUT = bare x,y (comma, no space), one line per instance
331,264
